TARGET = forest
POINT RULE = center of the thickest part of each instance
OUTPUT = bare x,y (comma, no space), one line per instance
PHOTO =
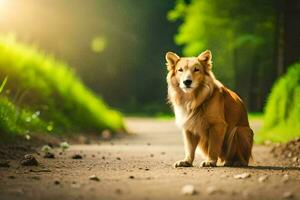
84,112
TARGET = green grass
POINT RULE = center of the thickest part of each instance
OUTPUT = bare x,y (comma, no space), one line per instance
277,134
282,111
37,82
19,121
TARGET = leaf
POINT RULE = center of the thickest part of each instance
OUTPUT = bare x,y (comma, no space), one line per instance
3,84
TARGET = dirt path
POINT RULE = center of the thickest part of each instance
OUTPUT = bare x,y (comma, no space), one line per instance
140,167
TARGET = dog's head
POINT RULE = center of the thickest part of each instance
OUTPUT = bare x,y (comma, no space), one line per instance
188,72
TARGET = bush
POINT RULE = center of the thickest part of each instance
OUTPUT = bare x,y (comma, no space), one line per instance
282,111
38,82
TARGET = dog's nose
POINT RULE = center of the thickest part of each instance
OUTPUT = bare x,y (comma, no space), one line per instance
187,82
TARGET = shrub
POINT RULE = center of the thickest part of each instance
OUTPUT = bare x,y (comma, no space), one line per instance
282,111
39,82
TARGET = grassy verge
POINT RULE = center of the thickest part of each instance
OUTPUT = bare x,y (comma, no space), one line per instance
38,83
282,111
277,134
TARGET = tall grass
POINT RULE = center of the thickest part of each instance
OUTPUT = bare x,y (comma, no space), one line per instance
282,111
38,82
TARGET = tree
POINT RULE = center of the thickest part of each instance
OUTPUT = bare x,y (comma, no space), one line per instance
241,37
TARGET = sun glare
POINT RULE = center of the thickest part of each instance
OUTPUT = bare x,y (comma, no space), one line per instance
2,2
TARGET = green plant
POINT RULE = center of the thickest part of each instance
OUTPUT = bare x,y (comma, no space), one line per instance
3,84
282,111
39,82
18,121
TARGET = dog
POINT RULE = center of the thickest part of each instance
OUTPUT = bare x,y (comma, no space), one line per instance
212,117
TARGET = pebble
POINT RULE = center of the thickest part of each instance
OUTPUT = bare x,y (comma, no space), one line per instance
56,182
188,190
295,159
29,160
285,178
131,177
287,195
242,176
262,178
211,190
94,178
118,158
77,156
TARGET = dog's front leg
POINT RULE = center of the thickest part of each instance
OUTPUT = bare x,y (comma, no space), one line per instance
190,143
215,141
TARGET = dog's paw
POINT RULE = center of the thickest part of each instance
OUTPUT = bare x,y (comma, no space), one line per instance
182,163
209,164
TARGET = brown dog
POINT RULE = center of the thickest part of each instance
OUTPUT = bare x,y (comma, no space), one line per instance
212,117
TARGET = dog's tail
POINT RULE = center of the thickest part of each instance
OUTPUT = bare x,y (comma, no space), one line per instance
239,145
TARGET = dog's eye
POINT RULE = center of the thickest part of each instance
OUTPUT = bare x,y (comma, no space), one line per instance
180,70
196,70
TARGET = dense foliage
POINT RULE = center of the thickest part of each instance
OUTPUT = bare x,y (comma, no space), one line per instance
282,111
39,86
241,35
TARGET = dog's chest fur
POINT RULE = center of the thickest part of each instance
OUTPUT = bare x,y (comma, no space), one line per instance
180,115
191,121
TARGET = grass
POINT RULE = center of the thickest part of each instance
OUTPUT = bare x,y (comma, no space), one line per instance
277,134
19,121
38,83
282,111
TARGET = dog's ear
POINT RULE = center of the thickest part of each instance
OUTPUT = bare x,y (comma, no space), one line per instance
172,59
205,58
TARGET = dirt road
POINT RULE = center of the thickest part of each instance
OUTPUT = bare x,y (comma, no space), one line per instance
140,167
